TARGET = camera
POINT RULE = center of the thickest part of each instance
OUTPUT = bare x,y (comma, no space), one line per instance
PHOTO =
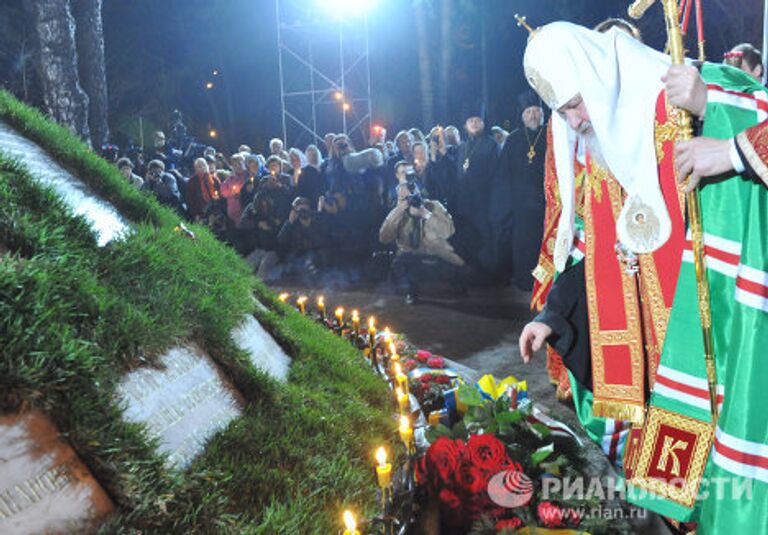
410,176
415,200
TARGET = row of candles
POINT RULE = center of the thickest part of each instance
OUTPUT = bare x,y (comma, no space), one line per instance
399,383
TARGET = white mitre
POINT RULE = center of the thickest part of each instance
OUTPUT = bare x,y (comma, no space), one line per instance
619,80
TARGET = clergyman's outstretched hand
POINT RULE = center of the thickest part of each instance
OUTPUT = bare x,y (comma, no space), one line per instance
532,338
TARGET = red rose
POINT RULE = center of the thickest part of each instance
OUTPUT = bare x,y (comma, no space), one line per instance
423,356
450,498
409,366
443,379
510,524
426,378
444,456
550,514
436,362
487,453
471,478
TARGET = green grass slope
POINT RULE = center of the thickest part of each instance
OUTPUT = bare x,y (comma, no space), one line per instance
74,318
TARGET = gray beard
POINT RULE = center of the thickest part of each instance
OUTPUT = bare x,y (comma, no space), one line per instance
595,151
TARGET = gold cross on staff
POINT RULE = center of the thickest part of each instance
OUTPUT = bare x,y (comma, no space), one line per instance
522,22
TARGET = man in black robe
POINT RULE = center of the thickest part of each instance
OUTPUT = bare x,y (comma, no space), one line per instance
517,203
477,158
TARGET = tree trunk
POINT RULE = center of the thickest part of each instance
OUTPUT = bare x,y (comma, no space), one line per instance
446,45
425,67
65,100
89,33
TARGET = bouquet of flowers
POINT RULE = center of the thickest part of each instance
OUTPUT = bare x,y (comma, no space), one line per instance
486,472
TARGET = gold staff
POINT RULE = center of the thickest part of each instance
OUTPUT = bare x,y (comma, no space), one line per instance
675,44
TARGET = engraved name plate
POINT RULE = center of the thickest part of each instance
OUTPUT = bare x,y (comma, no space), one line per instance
44,487
265,353
104,219
182,405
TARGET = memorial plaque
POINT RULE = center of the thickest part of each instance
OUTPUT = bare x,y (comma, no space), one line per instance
104,219
265,353
183,404
44,487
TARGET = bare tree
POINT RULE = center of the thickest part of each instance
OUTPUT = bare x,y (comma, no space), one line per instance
425,64
65,100
89,34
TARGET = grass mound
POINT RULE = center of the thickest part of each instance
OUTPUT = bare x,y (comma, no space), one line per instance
74,318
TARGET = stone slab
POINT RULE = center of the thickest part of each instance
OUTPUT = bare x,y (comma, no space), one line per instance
265,353
104,219
183,404
44,487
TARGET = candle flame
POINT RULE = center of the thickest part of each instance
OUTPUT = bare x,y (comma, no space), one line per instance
381,456
284,296
355,315
340,312
301,300
405,424
371,322
321,301
349,521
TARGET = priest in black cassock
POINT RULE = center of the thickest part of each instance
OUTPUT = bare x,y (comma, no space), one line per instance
517,203
476,162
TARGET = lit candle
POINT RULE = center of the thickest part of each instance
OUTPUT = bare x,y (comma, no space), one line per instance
321,306
402,401
384,469
283,297
339,315
301,302
350,524
355,321
400,377
406,433
371,332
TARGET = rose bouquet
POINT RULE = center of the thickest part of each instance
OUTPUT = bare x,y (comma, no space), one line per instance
486,472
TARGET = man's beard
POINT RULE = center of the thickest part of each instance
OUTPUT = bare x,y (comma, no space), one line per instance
593,145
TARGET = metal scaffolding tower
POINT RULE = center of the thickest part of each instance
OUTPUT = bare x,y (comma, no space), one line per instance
325,77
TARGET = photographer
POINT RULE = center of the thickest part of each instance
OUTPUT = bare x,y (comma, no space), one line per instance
405,173
303,243
163,186
420,229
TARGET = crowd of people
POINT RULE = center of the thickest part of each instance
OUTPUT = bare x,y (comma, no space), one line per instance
459,207
437,206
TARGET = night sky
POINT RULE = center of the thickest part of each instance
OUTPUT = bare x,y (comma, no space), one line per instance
160,54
